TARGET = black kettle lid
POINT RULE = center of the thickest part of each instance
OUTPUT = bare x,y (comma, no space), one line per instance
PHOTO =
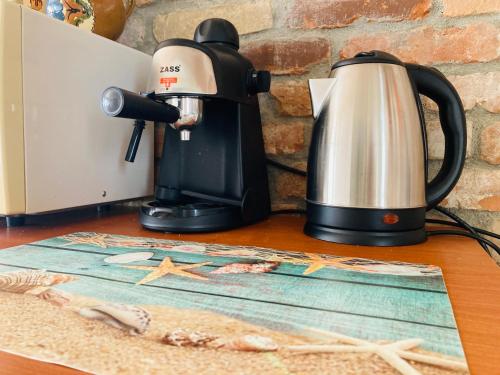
369,57
217,30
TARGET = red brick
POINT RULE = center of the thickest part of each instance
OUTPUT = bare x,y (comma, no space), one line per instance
287,56
490,203
292,97
435,139
478,188
290,185
495,228
481,89
181,23
490,144
330,14
427,45
143,3
457,8
281,138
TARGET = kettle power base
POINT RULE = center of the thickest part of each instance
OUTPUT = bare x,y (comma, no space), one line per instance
355,237
366,226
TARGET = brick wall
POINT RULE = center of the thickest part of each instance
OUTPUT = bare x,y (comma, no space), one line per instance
297,40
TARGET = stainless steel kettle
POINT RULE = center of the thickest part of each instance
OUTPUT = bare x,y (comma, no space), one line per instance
367,167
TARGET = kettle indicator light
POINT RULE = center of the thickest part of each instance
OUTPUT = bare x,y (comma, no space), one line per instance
390,219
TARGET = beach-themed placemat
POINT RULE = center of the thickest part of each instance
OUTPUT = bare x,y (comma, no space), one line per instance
115,304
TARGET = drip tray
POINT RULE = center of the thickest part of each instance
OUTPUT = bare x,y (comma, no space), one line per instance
189,217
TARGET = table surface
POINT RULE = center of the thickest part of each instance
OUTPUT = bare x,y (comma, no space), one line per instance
472,278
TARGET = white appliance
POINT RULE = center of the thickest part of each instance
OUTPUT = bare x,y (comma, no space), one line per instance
57,148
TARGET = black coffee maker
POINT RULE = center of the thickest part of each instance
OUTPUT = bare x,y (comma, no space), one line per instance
212,173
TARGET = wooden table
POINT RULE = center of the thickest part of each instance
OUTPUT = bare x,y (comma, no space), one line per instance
472,278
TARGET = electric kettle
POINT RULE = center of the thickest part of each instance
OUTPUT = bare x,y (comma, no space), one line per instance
367,165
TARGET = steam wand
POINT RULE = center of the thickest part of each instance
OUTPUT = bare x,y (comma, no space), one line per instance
135,140
117,102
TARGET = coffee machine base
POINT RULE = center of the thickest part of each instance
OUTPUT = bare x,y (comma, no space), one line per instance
193,217
366,226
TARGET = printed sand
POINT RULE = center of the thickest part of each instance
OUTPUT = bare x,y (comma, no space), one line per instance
36,328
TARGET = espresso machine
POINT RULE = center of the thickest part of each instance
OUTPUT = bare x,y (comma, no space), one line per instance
212,173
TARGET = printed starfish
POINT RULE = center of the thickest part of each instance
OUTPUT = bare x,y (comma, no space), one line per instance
317,262
393,353
167,267
94,239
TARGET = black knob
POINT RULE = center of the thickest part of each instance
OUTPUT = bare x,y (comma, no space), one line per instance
258,81
378,56
217,30
365,54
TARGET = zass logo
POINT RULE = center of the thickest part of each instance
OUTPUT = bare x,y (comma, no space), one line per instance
170,69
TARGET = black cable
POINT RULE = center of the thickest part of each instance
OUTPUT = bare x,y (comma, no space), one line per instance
287,168
470,231
464,224
453,224
293,170
465,234
297,211
452,216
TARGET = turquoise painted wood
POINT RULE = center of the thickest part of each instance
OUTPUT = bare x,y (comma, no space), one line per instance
358,304
427,283
384,302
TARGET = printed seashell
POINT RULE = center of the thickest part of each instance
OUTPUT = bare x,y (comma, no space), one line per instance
260,267
129,318
129,257
181,337
23,281
250,343
189,248
55,297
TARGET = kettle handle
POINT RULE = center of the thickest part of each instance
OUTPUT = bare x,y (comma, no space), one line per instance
433,84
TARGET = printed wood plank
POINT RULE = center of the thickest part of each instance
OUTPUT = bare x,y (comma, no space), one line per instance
427,283
270,315
389,303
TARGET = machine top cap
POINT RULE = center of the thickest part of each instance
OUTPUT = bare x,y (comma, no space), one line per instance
369,57
217,30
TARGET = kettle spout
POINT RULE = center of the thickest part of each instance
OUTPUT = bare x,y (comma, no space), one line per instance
319,90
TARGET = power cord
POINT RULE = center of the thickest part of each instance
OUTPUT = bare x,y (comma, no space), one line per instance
480,239
468,230
287,168
453,224
297,211
292,170
463,223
